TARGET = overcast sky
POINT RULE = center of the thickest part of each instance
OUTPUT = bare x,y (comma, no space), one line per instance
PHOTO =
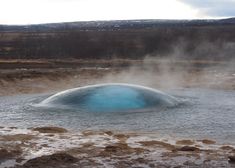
47,11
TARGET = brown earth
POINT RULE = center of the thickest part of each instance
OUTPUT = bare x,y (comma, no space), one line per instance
38,76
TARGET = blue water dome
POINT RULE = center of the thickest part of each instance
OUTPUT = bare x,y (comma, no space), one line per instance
112,97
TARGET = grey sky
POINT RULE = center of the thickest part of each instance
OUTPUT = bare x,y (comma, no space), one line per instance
48,11
213,8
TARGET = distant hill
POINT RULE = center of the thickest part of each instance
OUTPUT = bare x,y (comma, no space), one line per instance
129,39
116,25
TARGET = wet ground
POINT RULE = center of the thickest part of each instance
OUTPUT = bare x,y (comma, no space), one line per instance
51,146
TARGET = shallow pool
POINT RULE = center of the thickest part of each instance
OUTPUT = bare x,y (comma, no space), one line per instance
206,113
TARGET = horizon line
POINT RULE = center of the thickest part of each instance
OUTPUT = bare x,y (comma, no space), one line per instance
110,20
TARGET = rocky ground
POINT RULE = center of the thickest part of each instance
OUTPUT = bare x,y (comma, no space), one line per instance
47,147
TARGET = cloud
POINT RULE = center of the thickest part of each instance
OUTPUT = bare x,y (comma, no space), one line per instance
213,8
46,11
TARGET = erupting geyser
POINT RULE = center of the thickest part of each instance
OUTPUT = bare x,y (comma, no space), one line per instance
110,97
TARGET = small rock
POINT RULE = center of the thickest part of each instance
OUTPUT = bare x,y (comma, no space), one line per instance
50,130
113,148
189,164
207,141
120,149
19,160
4,154
13,127
188,148
121,137
141,160
157,143
89,132
231,159
108,133
55,160
185,142
8,154
226,148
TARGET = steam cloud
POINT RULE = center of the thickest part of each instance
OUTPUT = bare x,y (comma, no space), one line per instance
209,64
